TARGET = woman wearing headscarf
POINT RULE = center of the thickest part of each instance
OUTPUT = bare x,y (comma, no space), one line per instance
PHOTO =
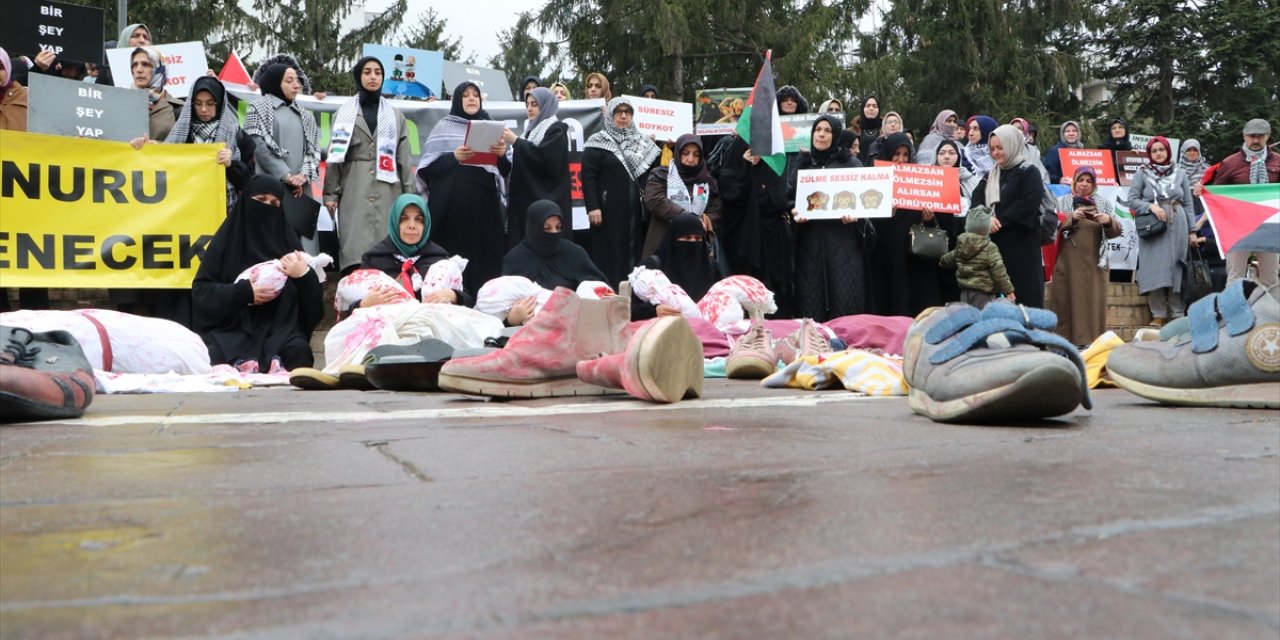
1079,292
562,91
368,163
791,102
134,35
1160,187
1013,190
13,97
149,74
544,256
943,128
947,154
1068,138
755,236
287,140
1031,153
291,62
684,256
649,91
466,198
831,105
977,154
1191,161
614,164
831,255
684,186
539,164
1117,138
868,123
206,119
892,125
905,284
240,323
406,253
598,87
527,86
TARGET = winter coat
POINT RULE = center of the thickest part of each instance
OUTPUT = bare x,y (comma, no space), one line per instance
1162,257
164,113
978,265
363,200
13,108
831,257
662,210
1235,169
1018,211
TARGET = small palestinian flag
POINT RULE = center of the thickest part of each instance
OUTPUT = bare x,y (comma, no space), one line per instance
1245,217
760,125
234,72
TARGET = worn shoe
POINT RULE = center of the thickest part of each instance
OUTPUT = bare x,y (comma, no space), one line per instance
1228,355
353,376
541,359
752,356
313,379
43,376
999,364
414,367
662,363
808,340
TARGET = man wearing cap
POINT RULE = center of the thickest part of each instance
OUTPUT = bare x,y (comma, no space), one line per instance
1252,164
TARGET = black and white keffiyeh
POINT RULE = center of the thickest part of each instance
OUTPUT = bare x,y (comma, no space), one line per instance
260,120
633,149
344,126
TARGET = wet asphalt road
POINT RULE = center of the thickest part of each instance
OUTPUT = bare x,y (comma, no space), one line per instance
751,513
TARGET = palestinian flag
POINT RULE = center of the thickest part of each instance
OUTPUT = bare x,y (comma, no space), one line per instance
234,72
760,125
1245,217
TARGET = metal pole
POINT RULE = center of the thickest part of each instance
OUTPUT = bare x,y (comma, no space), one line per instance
122,13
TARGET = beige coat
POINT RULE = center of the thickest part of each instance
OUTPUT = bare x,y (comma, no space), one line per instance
364,202
164,113
13,108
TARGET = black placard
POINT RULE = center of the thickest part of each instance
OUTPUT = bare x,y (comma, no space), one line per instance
73,32
72,108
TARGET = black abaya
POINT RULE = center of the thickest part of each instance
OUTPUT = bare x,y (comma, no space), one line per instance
1019,236
466,216
540,172
606,185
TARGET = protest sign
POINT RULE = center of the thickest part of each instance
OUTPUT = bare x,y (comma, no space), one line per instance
717,110
93,213
1127,164
492,83
663,119
409,74
1099,159
184,63
830,194
797,129
72,32
919,187
1140,141
70,108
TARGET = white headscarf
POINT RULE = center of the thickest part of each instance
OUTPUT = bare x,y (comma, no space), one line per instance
1012,139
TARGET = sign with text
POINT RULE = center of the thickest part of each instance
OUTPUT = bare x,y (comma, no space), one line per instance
184,63
919,187
69,108
70,31
1140,141
663,119
492,83
831,194
93,213
409,74
1098,159
717,110
797,129
1127,164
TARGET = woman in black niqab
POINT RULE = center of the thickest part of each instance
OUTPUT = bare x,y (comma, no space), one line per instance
547,258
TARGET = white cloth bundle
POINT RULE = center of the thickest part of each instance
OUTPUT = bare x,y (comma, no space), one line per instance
271,273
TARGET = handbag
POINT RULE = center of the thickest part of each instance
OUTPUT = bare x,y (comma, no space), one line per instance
1147,225
1048,218
928,241
1197,282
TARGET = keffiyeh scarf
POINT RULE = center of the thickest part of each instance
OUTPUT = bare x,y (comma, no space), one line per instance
633,149
1257,164
260,121
692,200
386,138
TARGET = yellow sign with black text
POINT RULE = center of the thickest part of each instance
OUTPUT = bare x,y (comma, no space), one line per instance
97,214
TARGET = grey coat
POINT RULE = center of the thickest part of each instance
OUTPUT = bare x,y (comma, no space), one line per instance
1161,258
364,202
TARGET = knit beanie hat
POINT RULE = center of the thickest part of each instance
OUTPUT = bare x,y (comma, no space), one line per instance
978,220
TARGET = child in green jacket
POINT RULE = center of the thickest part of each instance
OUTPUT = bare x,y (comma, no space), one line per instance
979,268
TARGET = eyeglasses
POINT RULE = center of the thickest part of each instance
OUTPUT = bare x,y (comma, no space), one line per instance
625,112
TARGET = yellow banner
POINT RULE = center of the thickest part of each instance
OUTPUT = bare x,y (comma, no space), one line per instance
90,213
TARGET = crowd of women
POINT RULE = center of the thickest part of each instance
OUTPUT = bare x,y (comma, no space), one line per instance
699,210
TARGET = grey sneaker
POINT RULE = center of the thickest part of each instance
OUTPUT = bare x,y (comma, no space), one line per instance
1227,354
1001,364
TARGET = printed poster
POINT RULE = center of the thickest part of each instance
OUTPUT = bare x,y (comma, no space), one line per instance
831,194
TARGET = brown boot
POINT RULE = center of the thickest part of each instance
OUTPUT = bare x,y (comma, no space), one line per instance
43,376
662,363
540,360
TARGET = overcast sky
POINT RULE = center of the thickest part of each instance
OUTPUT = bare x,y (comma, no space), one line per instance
476,22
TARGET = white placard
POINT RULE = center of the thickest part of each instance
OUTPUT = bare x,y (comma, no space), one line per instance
663,119
185,62
1122,250
831,194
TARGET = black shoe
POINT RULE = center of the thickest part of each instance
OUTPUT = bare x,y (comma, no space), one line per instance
414,367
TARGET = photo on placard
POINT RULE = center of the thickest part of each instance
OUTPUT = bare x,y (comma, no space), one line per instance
716,111
409,74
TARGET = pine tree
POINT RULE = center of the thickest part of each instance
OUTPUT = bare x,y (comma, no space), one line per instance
429,34
521,54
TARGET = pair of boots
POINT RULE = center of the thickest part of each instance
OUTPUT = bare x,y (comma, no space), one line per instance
579,347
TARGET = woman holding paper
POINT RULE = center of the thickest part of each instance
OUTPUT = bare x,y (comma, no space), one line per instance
540,164
614,164
287,139
831,255
369,165
905,284
465,190
1079,293
1013,189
